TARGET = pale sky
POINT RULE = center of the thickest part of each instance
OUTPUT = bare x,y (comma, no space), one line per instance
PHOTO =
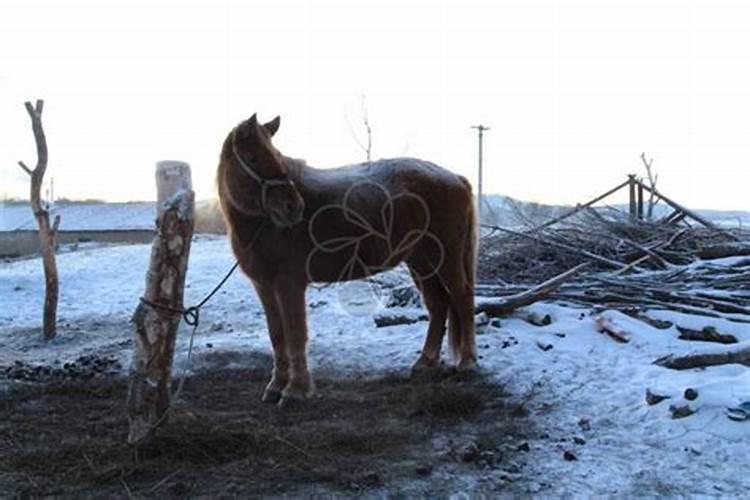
573,91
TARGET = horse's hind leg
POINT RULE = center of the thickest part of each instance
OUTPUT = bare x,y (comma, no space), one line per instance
436,301
460,290
280,372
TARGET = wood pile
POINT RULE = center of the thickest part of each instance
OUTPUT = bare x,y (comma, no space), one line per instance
632,264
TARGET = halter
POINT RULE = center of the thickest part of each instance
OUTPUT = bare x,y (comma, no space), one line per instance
264,183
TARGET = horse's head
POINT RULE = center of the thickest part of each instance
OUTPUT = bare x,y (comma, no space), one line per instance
256,179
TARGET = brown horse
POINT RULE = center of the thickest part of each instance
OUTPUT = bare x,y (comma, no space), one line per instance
291,225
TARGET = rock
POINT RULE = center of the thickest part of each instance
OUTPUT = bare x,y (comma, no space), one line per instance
579,440
653,398
423,470
510,341
544,346
524,447
584,424
681,411
481,319
372,479
691,394
209,345
569,456
217,326
538,319
469,452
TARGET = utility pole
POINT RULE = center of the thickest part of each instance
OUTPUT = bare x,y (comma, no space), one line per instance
481,129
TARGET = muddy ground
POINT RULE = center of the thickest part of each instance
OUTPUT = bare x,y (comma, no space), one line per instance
64,434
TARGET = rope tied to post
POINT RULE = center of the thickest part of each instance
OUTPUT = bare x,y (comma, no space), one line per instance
191,315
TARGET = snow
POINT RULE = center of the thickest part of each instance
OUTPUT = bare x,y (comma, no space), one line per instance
586,386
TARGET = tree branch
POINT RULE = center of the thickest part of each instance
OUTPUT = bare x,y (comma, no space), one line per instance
25,168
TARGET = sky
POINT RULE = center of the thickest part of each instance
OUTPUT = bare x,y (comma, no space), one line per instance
573,91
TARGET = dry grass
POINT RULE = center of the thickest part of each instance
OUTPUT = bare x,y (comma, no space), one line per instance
69,438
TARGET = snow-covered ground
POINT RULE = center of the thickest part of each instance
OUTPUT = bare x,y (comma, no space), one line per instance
586,391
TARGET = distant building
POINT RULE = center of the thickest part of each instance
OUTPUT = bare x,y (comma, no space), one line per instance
80,222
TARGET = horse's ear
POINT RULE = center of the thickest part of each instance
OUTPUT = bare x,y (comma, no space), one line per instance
249,127
273,126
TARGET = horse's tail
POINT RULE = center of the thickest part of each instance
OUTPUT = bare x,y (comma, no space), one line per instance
465,337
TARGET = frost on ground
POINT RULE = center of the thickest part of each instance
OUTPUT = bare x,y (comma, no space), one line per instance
586,429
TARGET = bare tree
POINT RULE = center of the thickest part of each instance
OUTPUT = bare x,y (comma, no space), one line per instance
652,178
47,233
365,145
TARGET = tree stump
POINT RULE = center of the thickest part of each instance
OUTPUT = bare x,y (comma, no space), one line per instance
157,317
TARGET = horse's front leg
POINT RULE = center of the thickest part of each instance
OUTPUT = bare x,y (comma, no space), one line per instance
280,372
290,296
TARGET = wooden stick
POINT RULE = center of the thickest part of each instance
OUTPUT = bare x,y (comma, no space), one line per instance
590,255
676,205
578,208
512,302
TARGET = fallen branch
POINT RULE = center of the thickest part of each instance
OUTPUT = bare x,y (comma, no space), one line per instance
383,320
738,353
508,304
603,325
707,334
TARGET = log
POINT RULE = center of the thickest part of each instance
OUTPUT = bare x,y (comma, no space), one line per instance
606,326
157,317
508,304
738,353
47,231
707,334
383,320
724,250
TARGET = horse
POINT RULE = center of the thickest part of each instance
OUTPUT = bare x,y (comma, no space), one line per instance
291,225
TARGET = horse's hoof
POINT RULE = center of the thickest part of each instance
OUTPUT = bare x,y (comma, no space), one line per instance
271,396
467,367
294,396
291,402
426,372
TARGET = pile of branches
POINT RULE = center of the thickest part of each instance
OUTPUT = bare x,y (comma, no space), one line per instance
703,288
602,259
606,238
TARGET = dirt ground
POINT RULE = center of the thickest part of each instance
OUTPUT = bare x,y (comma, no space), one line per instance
390,435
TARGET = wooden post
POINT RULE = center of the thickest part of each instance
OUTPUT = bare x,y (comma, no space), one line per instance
640,200
155,328
631,185
47,232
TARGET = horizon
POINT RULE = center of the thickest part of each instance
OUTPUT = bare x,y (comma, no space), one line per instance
573,93
621,202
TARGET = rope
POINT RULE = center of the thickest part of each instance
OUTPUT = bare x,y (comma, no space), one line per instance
191,316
